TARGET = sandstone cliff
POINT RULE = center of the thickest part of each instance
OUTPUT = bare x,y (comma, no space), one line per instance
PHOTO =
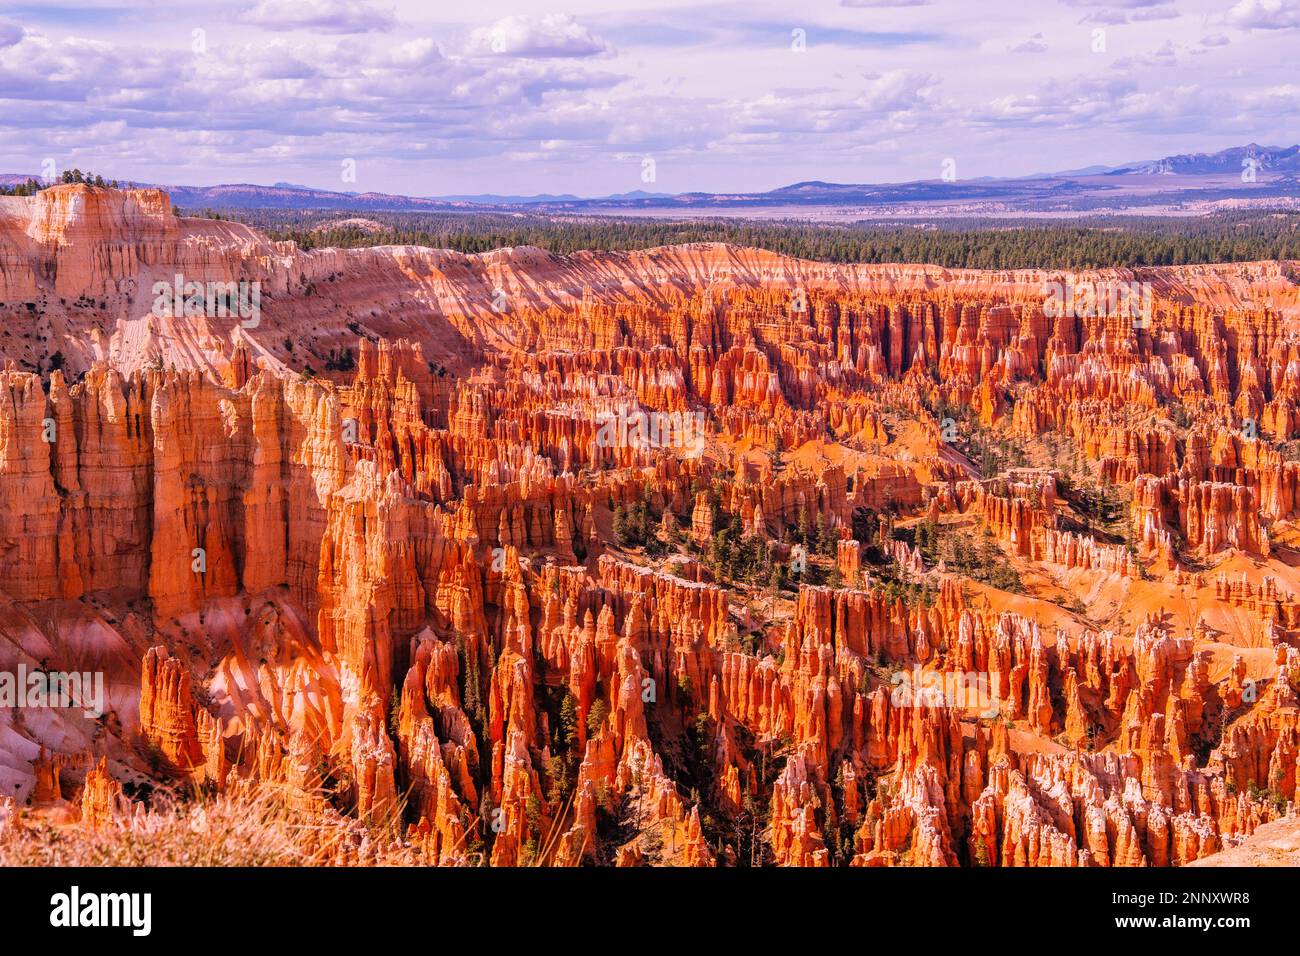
655,562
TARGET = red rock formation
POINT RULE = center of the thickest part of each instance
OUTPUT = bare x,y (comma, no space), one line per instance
167,710
101,797
393,588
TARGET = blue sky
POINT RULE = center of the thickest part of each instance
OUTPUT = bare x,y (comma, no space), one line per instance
506,96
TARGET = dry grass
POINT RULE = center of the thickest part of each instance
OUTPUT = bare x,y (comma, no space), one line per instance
249,827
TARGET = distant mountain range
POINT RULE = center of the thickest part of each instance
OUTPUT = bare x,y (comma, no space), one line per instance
491,199
1251,173
1274,159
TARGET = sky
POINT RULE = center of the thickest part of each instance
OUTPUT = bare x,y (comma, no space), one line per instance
593,97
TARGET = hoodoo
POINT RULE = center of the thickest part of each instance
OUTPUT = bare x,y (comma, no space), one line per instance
922,572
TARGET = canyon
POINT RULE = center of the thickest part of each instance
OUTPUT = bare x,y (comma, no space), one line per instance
690,556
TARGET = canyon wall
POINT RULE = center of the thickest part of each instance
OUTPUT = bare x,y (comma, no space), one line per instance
693,556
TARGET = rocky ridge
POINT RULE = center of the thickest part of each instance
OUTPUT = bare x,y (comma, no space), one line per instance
650,558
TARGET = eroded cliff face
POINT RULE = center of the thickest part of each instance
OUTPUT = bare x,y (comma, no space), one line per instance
696,556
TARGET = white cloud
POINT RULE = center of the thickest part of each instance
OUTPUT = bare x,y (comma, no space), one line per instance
1169,12
1109,15
1165,55
1123,4
1035,44
721,103
324,16
1265,14
554,35
10,33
